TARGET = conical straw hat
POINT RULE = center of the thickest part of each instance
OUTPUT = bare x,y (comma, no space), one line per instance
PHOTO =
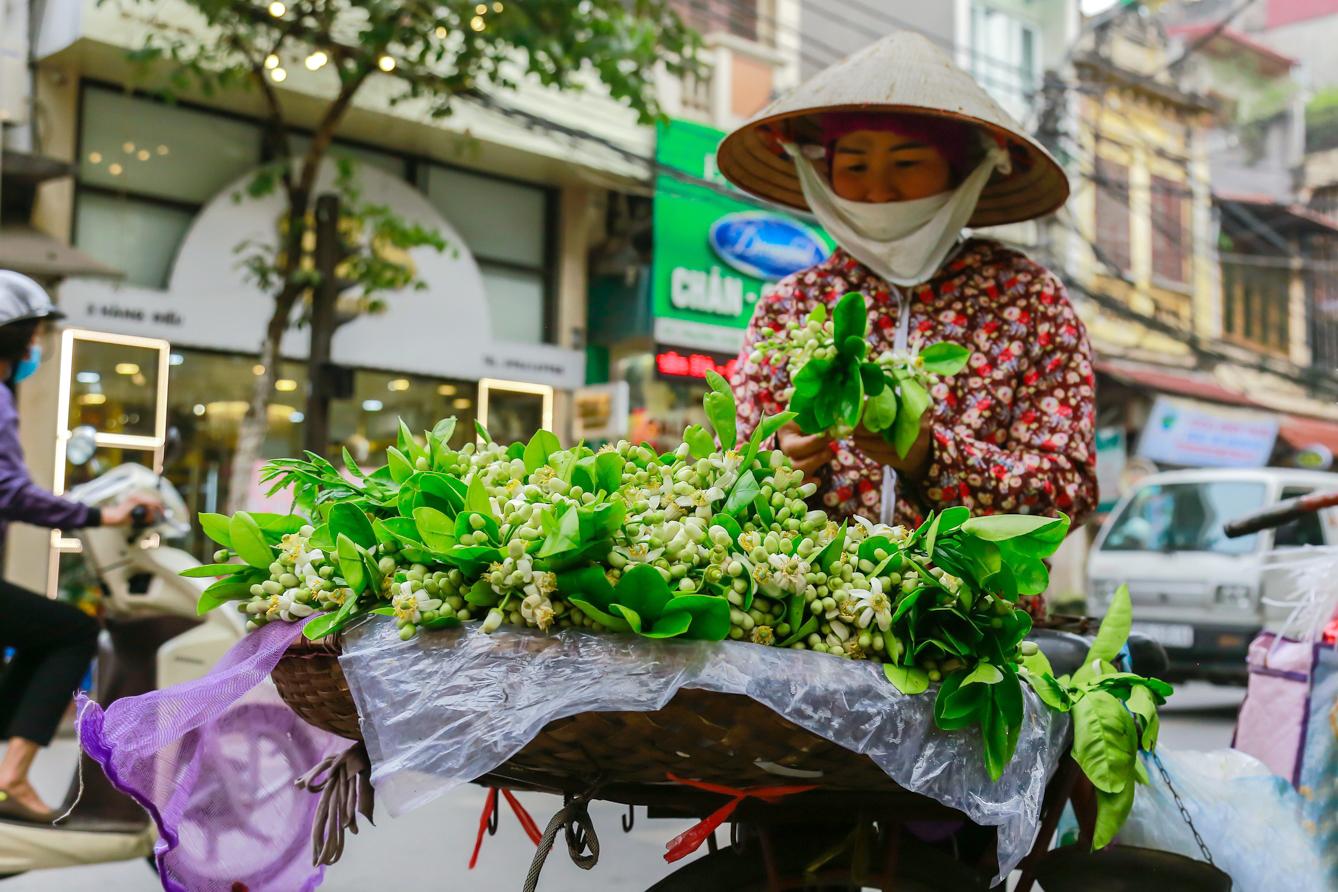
906,74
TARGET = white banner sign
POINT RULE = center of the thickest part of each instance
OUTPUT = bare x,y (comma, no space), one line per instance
443,330
1195,434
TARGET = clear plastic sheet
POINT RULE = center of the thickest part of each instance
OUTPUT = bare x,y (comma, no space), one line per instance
1250,819
444,708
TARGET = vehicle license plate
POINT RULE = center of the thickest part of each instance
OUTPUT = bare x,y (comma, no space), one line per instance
1167,634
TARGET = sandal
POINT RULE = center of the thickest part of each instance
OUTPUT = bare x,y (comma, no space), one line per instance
13,810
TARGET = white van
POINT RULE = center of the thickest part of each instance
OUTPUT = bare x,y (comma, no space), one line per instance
1198,593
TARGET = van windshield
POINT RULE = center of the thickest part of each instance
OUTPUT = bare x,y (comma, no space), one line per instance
1185,517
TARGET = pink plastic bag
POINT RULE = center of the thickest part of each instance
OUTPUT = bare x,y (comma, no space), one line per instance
1272,721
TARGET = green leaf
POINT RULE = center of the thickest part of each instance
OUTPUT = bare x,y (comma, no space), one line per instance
234,588
216,526
880,410
944,358
849,317
481,594
206,571
984,673
699,440
330,623
277,525
1142,704
589,583
401,468
609,621
913,401
873,378
907,679
1114,628
609,471
347,519
629,616
850,398
1112,809
994,735
671,624
746,489
435,529
566,536
710,616
398,529
832,551
482,432
541,446
249,542
445,429
351,566
1008,697
761,506
1050,691
406,442
643,589
721,412
476,497
718,384
1002,527
1104,741
853,348
766,428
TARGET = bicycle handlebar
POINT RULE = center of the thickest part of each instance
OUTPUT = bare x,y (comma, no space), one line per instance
1282,512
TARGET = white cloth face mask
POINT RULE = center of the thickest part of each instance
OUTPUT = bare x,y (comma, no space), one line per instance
904,242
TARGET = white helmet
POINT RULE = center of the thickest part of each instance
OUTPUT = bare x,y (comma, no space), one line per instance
22,298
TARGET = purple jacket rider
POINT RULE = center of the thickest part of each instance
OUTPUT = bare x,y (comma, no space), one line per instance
20,498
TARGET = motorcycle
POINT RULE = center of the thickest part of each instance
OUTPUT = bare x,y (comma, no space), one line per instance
152,638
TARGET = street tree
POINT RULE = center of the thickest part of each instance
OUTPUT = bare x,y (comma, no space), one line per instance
439,53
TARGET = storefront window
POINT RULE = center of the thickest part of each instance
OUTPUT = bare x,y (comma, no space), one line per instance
207,398
140,238
115,388
138,145
660,408
505,225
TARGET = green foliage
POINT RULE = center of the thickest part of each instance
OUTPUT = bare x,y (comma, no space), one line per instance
836,386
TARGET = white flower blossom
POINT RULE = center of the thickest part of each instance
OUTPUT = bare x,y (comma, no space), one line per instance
410,605
873,606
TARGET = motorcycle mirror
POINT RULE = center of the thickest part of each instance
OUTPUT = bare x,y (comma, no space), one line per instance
172,444
83,443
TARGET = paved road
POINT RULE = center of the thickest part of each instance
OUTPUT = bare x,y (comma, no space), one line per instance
393,855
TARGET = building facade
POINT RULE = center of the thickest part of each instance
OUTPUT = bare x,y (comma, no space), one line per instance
149,193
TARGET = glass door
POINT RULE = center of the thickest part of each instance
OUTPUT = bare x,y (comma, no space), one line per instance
116,385
514,410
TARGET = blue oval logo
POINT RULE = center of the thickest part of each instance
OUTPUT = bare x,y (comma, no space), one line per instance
765,245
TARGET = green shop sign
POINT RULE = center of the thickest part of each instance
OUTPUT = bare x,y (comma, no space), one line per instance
715,249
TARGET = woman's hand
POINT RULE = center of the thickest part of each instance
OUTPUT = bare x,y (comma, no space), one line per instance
916,462
808,453
122,514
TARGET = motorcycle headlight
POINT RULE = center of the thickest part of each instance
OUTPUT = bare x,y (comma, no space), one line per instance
1235,595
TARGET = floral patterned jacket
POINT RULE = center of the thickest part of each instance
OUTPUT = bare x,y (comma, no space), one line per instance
1011,433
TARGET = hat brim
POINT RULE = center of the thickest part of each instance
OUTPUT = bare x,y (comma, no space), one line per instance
751,158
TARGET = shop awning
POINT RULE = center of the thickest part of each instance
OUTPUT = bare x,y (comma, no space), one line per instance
1298,431
1301,432
1185,382
37,254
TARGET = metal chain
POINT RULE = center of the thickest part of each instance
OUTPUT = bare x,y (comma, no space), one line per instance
1184,812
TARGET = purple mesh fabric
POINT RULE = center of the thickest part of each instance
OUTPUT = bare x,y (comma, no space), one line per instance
214,761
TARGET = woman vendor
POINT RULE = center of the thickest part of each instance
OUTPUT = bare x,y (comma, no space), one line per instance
895,150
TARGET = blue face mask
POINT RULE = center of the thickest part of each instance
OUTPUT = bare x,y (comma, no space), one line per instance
28,365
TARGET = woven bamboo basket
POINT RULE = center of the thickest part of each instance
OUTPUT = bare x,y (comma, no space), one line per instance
724,739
